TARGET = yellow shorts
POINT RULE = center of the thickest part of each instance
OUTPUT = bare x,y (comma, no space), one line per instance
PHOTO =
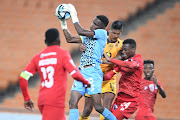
108,86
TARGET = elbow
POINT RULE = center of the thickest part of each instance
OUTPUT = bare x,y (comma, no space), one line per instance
69,40
164,96
80,33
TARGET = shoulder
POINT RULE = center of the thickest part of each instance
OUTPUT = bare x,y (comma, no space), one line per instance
100,31
159,83
138,56
139,60
119,41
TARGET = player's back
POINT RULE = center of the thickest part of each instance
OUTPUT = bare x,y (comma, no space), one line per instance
50,64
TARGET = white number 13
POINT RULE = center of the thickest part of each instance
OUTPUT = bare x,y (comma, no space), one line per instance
47,72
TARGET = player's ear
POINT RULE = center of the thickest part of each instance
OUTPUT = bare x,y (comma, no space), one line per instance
45,41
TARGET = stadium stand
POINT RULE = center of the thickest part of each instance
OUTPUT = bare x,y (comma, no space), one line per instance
22,33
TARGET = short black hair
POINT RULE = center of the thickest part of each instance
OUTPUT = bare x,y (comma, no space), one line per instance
117,25
51,35
103,19
132,42
149,62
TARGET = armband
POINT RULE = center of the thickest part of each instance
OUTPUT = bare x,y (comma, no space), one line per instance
26,75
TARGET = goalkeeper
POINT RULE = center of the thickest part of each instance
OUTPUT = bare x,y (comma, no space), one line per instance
95,41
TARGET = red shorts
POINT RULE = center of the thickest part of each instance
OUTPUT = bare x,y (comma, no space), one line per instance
144,114
124,107
52,112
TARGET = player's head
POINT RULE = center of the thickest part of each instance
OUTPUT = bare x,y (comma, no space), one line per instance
99,22
148,69
115,31
128,48
52,37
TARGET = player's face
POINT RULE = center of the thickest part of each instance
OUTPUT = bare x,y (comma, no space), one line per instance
148,70
127,51
114,35
96,24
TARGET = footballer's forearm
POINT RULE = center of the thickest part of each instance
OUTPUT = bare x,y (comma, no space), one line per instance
111,73
24,88
79,77
161,91
127,64
70,38
81,31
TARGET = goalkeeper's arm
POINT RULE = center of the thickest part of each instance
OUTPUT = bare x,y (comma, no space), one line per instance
80,30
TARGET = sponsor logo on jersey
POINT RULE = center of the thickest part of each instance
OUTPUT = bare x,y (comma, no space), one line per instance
47,54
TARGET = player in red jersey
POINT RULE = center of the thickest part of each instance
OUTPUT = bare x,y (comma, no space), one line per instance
131,68
52,64
148,90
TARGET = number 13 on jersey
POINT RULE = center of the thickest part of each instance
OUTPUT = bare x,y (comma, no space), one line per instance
48,78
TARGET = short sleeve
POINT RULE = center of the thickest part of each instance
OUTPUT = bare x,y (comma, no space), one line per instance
31,67
68,62
139,61
81,38
100,34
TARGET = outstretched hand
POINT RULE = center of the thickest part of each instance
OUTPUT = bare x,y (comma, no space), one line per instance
29,105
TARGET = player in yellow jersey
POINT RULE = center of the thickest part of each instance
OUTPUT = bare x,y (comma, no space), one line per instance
112,47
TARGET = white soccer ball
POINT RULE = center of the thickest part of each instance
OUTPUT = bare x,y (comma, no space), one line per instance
62,12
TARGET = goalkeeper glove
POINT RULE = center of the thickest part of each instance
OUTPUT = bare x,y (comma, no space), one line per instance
63,24
56,11
73,13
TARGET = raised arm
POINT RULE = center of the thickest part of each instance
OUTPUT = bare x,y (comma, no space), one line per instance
161,90
67,34
70,38
80,30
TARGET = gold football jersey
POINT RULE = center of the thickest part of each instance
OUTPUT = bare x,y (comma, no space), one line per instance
111,49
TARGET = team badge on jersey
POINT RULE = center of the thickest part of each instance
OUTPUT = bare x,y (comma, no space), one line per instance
151,87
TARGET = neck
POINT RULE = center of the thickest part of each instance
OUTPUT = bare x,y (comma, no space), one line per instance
147,78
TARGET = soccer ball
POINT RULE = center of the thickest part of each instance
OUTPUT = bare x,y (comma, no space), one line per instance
62,12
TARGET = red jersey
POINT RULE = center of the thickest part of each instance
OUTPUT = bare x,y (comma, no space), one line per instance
129,82
52,64
147,96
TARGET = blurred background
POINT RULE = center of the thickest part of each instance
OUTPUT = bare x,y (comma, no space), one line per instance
154,24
